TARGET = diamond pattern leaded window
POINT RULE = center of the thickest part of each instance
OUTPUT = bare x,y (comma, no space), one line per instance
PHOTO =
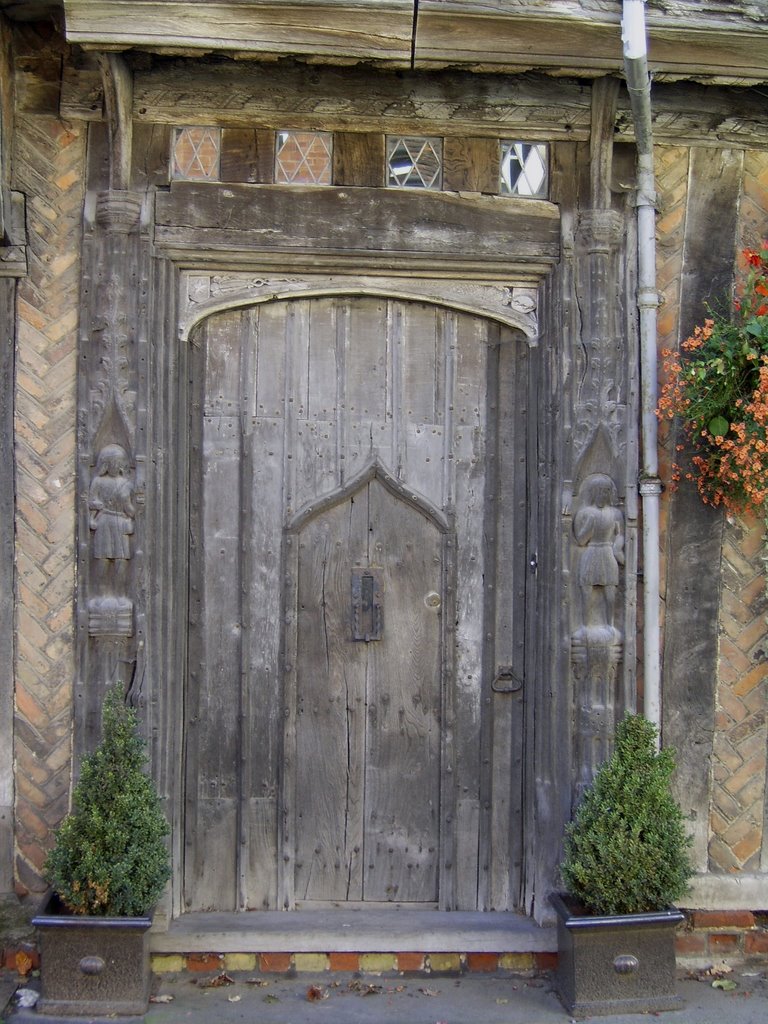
414,162
196,154
303,158
524,169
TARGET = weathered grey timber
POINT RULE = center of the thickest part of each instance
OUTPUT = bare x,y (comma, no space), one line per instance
377,459
504,35
12,265
241,222
599,503
7,508
111,458
695,534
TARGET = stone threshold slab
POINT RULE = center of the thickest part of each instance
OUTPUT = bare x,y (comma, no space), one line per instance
354,931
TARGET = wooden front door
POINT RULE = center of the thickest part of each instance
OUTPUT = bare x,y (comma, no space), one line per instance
357,607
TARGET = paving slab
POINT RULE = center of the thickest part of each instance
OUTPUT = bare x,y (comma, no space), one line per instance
352,999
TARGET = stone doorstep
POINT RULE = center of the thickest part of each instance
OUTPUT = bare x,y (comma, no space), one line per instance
345,931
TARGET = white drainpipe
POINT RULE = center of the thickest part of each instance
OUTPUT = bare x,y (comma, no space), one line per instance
633,33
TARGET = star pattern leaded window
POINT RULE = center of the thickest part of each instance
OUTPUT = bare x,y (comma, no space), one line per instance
524,169
303,158
196,154
414,162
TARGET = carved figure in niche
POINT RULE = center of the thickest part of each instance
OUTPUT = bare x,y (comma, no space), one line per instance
598,527
110,503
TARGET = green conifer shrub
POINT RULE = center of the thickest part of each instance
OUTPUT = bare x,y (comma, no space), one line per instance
110,857
626,850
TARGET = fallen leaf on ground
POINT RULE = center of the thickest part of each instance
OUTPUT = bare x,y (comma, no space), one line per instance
364,988
233,999
315,993
23,963
429,992
258,982
218,981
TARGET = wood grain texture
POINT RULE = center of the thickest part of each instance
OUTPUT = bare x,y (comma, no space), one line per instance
506,36
358,158
471,165
334,752
694,534
365,29
247,155
7,302
283,219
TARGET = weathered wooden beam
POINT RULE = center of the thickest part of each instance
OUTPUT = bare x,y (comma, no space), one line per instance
225,223
334,29
352,99
452,104
687,39
569,37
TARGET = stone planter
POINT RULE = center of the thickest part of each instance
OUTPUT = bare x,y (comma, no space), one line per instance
615,963
92,965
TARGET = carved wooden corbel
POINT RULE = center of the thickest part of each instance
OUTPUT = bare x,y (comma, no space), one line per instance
117,80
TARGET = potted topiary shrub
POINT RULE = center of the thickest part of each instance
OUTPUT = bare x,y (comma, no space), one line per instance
625,863
107,870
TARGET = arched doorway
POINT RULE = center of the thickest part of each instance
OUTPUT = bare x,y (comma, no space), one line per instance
358,565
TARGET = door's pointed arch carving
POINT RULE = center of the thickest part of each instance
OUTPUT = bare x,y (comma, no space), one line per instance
375,470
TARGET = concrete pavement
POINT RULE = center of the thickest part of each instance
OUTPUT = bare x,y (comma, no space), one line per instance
469,999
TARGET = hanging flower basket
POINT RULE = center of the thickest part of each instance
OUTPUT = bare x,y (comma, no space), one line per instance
718,386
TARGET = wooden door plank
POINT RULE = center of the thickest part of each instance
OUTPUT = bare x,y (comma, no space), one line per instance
261,555
365,379
329,707
214,705
403,764
422,406
511,568
315,455
469,470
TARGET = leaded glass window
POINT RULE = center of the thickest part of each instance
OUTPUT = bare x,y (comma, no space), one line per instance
524,169
303,158
414,162
196,154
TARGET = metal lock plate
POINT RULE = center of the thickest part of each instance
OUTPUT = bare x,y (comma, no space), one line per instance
367,613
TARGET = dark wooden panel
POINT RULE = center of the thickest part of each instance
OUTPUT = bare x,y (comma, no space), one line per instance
471,165
151,155
247,155
358,159
694,535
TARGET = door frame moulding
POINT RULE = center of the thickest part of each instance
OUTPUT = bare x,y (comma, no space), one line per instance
167,313
204,294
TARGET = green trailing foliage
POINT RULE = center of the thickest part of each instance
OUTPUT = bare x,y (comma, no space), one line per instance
626,850
110,857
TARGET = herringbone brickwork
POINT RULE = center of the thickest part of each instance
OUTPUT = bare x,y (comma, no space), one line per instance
48,164
739,766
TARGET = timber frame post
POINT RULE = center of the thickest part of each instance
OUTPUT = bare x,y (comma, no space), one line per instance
111,457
